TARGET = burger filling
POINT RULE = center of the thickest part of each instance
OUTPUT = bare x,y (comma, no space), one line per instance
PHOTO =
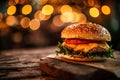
85,48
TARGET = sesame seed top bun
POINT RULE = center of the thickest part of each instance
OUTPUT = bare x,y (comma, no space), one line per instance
88,31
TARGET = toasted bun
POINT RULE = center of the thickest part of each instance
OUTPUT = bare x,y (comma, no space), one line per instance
90,31
78,58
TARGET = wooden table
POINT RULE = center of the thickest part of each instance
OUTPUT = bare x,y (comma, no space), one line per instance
25,64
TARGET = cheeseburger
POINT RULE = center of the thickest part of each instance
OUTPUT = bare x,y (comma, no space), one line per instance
85,42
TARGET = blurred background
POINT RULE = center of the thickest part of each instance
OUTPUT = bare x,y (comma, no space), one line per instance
38,23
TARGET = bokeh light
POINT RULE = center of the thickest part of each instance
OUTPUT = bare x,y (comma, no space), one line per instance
57,21
76,17
34,24
25,22
22,1
36,15
40,16
106,10
94,12
67,17
11,2
17,1
11,10
91,2
11,20
43,17
26,9
47,9
65,8
82,18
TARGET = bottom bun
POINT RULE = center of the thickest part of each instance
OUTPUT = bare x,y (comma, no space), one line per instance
78,58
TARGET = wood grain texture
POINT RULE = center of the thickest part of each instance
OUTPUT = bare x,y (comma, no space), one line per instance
22,64
108,69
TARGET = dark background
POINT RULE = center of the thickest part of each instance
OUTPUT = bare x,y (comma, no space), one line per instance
45,36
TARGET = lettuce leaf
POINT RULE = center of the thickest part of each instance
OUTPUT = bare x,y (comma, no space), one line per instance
64,50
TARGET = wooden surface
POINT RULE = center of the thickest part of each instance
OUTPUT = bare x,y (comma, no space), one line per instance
108,69
24,64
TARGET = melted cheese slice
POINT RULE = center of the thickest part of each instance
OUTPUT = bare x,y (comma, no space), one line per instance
86,47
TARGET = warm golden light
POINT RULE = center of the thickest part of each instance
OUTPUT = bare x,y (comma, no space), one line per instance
76,17
11,2
40,16
91,2
11,20
25,22
27,9
82,18
16,1
106,10
65,8
43,17
22,1
57,21
34,24
47,9
94,12
36,15
11,10
67,17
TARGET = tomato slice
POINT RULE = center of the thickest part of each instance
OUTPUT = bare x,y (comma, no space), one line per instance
77,41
